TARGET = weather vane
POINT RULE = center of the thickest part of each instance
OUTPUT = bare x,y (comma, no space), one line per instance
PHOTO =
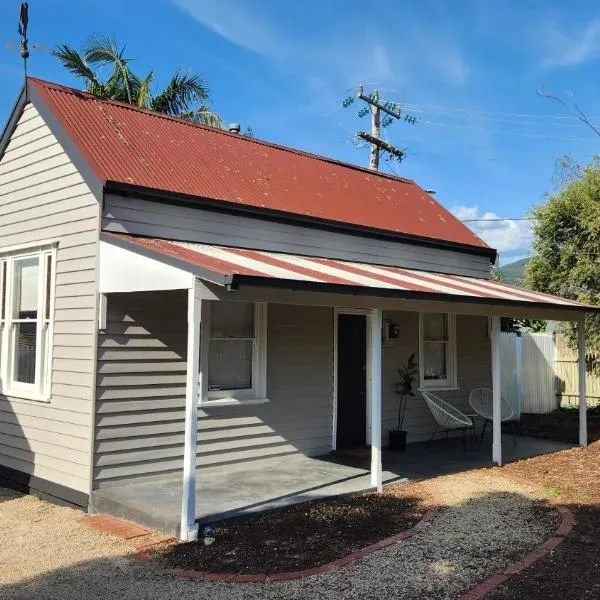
23,22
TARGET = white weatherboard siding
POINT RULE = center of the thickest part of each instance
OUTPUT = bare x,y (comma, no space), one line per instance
473,365
141,391
141,387
43,197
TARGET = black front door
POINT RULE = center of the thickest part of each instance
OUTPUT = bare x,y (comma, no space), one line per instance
351,381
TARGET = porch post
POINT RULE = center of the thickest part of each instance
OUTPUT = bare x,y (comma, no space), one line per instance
376,324
582,392
189,527
496,393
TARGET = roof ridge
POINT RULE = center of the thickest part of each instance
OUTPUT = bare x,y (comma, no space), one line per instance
216,130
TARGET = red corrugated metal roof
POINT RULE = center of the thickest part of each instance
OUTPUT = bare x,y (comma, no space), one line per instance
127,145
255,265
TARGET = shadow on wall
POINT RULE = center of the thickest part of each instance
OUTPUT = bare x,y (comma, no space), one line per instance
437,563
14,449
141,391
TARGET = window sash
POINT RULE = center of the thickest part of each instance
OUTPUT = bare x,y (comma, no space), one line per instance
448,342
10,324
258,367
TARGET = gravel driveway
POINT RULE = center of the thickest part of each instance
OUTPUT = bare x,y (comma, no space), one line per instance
488,521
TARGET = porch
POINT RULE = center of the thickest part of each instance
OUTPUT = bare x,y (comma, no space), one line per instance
261,486
263,368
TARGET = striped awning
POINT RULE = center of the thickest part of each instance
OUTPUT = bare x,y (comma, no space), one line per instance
237,266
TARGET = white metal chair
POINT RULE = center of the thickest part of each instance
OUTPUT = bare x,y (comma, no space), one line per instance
481,401
447,417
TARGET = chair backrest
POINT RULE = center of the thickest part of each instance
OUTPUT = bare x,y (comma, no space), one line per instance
445,415
481,401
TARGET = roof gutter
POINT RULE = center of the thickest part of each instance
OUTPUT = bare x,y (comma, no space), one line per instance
177,198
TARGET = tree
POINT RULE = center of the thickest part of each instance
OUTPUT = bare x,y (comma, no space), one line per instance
184,96
566,246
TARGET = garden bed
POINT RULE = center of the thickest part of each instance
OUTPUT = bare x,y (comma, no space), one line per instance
301,536
571,570
561,425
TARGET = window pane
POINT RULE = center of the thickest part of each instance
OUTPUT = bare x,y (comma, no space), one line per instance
25,350
25,287
3,292
434,361
230,365
48,284
435,327
232,319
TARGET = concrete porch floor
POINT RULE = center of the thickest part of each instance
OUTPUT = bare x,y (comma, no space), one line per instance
252,487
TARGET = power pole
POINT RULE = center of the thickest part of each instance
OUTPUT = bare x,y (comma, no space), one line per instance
375,129
376,107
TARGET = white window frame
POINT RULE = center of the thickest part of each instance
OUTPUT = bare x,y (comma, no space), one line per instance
450,383
257,394
40,389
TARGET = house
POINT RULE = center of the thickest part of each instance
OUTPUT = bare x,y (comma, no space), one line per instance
176,297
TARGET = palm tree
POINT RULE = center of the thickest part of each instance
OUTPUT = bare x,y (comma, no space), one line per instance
183,97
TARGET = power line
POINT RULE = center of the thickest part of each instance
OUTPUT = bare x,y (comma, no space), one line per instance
485,118
470,111
496,219
509,132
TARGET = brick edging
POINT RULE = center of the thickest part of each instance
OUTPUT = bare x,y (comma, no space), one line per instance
564,530
336,564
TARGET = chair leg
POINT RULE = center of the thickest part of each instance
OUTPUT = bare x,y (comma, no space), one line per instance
432,435
485,423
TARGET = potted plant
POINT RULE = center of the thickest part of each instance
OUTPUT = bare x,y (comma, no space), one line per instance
404,388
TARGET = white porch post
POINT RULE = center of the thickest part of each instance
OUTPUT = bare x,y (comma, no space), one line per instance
496,391
189,527
376,324
582,393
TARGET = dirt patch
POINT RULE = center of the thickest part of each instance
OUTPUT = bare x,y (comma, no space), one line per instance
571,571
302,536
561,425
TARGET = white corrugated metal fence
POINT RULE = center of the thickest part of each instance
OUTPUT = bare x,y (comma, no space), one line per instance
528,372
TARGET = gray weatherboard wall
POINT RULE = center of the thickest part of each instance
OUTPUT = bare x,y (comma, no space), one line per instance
142,217
141,391
141,394
44,197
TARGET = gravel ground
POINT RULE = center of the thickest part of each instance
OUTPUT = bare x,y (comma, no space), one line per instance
46,553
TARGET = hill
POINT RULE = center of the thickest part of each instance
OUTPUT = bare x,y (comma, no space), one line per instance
513,272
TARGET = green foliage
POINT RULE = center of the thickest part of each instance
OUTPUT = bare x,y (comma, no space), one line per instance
404,386
497,274
509,324
566,247
514,273
183,97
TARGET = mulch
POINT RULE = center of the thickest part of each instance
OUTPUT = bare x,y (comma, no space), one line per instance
572,570
561,425
301,536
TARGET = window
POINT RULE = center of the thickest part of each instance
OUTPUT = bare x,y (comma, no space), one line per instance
25,323
234,351
437,349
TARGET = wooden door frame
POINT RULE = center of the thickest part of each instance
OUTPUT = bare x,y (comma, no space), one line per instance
366,312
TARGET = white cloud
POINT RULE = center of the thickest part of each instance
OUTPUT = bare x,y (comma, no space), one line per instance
511,238
235,22
573,48
359,53
449,62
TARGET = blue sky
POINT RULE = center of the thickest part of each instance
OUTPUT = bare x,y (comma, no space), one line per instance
469,70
